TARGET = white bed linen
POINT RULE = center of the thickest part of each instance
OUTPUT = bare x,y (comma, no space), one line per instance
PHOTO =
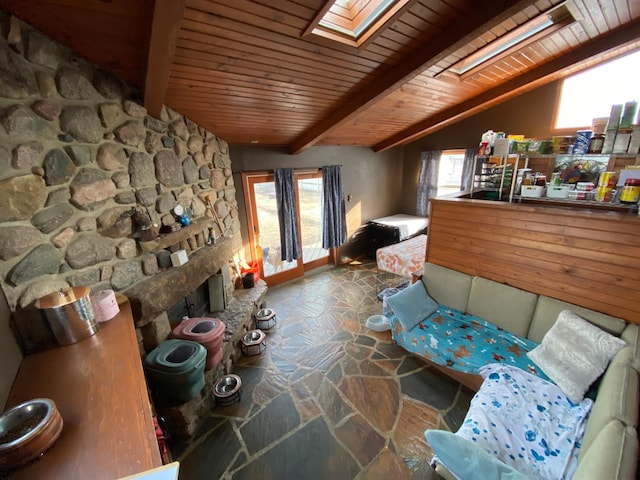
526,422
408,225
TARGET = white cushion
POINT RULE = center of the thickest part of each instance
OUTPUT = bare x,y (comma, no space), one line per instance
574,353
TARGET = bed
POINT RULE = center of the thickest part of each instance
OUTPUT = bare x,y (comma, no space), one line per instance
400,226
402,258
383,231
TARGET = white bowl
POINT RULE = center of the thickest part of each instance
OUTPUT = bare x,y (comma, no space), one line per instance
378,323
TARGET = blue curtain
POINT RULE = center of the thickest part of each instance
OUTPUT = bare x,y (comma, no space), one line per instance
467,169
427,180
334,219
287,214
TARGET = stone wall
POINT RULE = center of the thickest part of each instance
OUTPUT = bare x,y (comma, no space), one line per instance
81,164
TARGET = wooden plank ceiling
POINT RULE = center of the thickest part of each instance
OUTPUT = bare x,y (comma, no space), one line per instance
245,71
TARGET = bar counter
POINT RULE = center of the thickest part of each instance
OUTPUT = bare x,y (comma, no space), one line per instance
99,388
584,256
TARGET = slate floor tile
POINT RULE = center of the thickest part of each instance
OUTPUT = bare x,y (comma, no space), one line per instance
328,399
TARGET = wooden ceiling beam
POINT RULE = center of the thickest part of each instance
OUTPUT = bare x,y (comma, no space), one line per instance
167,15
533,78
484,18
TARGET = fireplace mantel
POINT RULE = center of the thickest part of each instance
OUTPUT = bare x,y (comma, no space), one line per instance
157,294
167,240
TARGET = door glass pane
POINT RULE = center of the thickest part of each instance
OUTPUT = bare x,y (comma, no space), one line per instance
310,193
269,228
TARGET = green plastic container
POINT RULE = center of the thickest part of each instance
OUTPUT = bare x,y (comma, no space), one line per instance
175,369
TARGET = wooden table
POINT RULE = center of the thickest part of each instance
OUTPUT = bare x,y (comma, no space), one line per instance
99,388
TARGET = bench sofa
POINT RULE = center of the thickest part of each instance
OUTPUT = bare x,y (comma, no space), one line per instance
610,443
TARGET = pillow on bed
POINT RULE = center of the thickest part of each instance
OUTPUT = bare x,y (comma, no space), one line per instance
574,353
465,460
412,305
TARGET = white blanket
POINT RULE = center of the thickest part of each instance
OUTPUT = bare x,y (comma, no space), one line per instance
526,422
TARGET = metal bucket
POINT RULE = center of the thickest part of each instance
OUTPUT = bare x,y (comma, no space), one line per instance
70,314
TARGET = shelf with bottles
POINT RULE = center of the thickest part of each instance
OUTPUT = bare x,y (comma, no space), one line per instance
493,176
583,182
565,202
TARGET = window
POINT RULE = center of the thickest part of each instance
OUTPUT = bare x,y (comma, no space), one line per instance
354,22
590,94
450,172
534,30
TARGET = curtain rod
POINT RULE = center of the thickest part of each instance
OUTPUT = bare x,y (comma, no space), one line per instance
297,170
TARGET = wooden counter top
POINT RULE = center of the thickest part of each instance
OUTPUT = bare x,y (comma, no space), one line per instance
99,388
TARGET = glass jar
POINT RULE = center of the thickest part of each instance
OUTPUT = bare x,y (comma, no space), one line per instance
556,179
631,191
596,143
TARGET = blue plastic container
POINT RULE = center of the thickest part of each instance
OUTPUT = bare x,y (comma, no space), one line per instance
175,369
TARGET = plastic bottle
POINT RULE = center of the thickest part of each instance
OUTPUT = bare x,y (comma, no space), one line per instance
489,137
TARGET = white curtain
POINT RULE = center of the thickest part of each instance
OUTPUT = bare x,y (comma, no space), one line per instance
427,180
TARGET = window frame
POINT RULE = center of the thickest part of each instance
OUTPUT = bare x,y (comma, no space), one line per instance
558,97
449,152
376,27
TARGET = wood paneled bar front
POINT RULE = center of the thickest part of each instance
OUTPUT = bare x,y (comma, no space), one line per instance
99,388
586,257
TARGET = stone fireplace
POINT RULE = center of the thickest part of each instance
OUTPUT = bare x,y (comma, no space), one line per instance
82,164
85,172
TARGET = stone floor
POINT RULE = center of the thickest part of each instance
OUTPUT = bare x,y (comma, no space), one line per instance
328,398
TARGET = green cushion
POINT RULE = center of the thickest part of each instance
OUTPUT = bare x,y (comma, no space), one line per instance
447,287
629,355
613,455
548,309
617,399
506,307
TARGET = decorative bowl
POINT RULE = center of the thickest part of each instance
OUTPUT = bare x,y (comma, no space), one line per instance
27,431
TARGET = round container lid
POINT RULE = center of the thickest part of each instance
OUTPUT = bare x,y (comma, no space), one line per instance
62,297
178,210
632,182
176,356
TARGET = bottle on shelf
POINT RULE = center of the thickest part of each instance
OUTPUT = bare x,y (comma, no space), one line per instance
596,143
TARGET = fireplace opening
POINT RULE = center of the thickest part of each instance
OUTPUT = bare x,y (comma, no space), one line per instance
208,298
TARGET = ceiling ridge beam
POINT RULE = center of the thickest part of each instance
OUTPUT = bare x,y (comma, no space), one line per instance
536,77
411,65
167,15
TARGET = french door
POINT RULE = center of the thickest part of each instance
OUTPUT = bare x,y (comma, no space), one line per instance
264,227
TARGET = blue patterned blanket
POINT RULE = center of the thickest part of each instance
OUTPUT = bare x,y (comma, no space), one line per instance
464,342
526,422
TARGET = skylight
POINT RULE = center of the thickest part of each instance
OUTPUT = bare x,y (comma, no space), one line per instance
353,22
533,30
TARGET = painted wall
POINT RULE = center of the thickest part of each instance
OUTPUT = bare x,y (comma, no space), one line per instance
529,114
373,180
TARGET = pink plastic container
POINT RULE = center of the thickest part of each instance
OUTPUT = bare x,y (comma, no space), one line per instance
209,332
